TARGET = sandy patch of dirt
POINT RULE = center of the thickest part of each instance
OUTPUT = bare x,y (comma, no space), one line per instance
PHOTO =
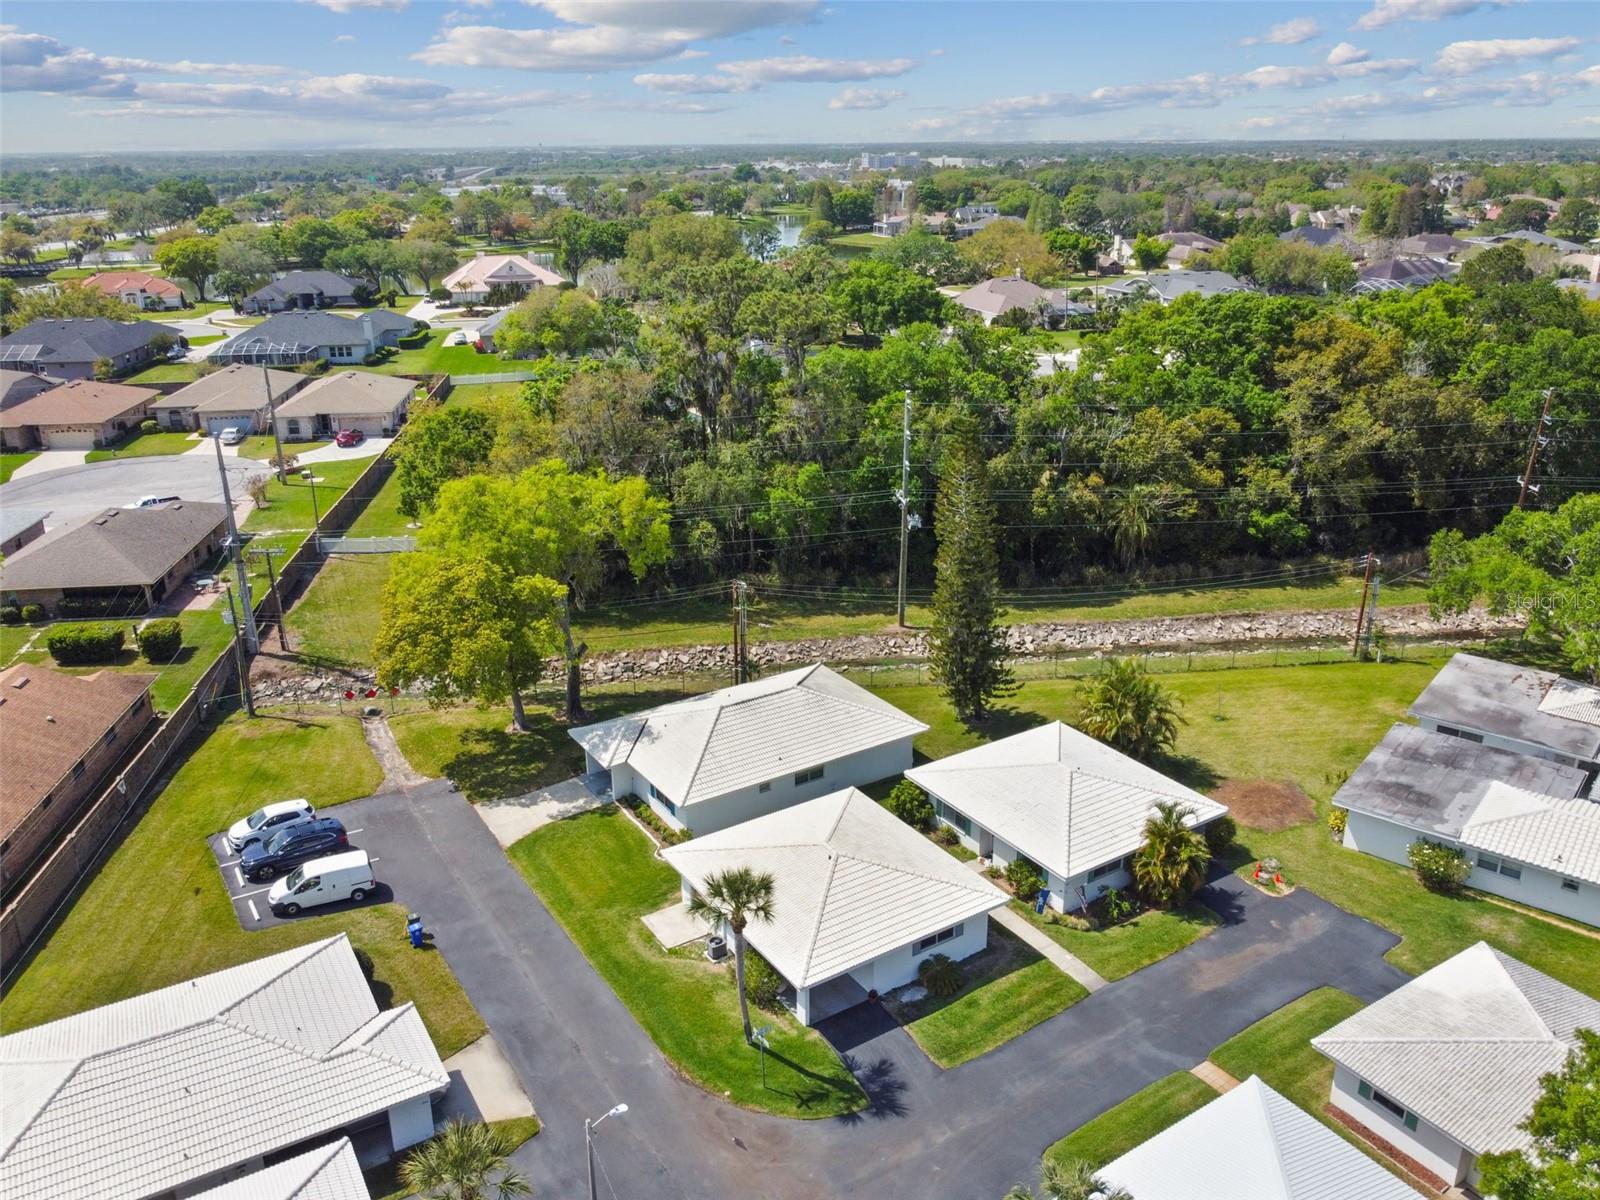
1266,804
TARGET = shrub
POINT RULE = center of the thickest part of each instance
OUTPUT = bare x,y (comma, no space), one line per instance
1024,878
1078,921
940,976
10,614
159,641
762,983
315,367
946,836
1337,820
1220,833
78,645
1439,868
665,834
149,426
439,295
911,804
1119,905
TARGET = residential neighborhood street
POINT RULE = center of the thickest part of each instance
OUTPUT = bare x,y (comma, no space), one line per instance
579,1051
79,491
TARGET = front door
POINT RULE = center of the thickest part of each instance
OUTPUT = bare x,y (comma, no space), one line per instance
985,844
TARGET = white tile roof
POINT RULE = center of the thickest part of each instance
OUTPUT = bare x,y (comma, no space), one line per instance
1463,1045
1065,800
1573,700
1252,1142
852,882
711,745
327,1173
1560,835
146,1094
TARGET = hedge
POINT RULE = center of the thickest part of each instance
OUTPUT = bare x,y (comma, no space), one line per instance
81,645
159,641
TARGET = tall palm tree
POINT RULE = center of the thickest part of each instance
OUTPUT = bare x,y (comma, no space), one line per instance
732,898
1171,865
1076,1180
1127,709
466,1160
1134,517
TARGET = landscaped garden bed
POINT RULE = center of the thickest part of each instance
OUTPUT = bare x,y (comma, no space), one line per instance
1118,948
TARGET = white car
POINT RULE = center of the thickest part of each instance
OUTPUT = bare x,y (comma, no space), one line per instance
266,821
346,876
231,436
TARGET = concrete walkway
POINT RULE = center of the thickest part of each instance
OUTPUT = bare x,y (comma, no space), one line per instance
483,1085
513,819
49,460
398,773
1050,948
1213,1076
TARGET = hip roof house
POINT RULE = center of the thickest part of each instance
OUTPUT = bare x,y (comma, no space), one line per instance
80,415
1447,1067
473,279
69,347
235,397
302,289
1251,1142
712,761
288,338
194,1085
139,288
374,404
1072,805
860,898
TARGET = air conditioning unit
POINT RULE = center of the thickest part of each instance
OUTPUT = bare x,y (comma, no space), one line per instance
716,948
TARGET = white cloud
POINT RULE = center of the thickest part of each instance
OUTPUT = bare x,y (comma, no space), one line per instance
1390,12
786,40
935,53
1266,122
1344,54
857,97
1536,89
804,68
604,35
694,83
1590,75
36,63
1287,33
1463,58
345,37
348,6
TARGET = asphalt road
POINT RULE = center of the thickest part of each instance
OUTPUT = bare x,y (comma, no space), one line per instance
73,493
964,1134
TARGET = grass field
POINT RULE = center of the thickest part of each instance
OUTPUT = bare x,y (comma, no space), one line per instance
145,445
483,395
1140,1117
1278,1047
10,462
263,446
291,505
859,241
1010,988
433,357
596,873
167,372
200,308
157,912
1123,949
1057,339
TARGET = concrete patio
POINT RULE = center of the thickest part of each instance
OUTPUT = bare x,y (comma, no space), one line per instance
515,818
673,926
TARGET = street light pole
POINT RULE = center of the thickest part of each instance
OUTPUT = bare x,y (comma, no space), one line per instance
310,477
588,1142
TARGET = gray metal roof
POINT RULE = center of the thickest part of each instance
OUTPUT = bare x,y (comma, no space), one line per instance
1432,782
1487,696
304,330
79,339
121,547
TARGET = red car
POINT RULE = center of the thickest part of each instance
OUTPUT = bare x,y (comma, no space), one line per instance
349,437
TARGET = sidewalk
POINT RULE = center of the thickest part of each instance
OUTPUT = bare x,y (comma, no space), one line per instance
1050,949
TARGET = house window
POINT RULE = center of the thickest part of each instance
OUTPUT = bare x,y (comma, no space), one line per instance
294,427
1510,871
804,777
952,818
937,939
1110,868
765,787
1368,1092
1569,885
660,798
1488,863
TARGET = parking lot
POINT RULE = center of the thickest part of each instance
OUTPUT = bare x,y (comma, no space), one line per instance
250,899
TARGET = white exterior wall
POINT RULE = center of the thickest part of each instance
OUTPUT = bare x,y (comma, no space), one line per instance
1063,892
733,808
411,1122
1380,838
1516,745
899,967
1430,1146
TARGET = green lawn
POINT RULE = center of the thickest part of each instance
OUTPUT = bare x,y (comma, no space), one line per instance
1010,988
207,339
194,311
1123,949
335,621
1137,1119
157,912
1278,1047
167,372
1311,725
859,241
483,395
1052,339
382,517
433,357
10,462
263,446
290,505
596,873
145,445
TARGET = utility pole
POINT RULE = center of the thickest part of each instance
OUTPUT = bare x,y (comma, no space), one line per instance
272,419
245,693
904,496
1538,442
277,596
1361,614
1372,614
248,617
741,630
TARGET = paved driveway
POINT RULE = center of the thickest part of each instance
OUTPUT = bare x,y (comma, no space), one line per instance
87,488
966,1134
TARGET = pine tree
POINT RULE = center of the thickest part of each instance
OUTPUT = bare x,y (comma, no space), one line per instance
965,648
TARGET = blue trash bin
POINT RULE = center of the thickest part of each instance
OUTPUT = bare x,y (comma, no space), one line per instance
1042,899
414,929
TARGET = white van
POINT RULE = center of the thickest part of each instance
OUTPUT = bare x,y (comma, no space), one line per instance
346,876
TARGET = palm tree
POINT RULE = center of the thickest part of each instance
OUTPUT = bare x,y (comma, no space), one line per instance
1076,1180
1171,865
466,1160
732,898
1127,709
1134,519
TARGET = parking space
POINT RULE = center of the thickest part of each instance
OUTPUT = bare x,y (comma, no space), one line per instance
250,898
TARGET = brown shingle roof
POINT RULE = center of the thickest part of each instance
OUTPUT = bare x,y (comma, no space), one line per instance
122,547
232,389
48,721
81,402
350,393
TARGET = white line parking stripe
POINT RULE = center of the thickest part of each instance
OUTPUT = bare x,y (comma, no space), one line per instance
354,830
247,895
228,862
239,875
254,915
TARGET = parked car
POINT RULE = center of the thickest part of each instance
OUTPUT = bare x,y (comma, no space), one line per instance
349,437
291,847
346,876
231,436
152,501
268,820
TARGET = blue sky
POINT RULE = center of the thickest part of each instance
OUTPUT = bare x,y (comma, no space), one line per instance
108,75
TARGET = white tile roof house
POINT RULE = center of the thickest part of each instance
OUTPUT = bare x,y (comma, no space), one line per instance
861,898
1072,805
329,1172
1252,1142
712,761
1447,1066
190,1086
